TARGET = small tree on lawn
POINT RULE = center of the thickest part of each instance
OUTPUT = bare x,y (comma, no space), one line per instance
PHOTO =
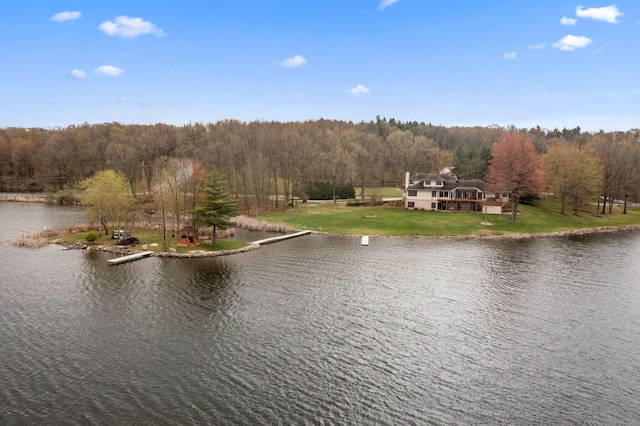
217,208
107,197
574,174
517,168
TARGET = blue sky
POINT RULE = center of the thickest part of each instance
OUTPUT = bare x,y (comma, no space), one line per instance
552,63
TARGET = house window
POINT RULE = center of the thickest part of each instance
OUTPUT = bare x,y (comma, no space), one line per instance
439,182
411,204
412,193
427,182
433,205
434,194
441,194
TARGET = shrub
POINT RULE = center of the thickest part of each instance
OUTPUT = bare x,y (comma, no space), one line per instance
318,190
346,190
373,201
65,198
91,236
323,190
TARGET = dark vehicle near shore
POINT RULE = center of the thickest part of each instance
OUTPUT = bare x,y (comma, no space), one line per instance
119,234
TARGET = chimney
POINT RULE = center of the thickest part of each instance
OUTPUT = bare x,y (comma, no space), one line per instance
406,180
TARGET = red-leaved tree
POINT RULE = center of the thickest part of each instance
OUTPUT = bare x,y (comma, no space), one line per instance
516,168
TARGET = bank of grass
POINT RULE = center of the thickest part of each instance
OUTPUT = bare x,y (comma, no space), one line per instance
539,217
381,192
153,240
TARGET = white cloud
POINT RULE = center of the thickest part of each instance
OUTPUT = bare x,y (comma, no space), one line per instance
538,46
359,90
65,16
127,27
130,101
608,13
510,56
293,62
108,71
530,89
571,42
77,74
386,3
568,21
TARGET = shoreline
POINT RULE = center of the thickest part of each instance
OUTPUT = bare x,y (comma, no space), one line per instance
204,254
37,197
251,223
506,236
192,255
252,246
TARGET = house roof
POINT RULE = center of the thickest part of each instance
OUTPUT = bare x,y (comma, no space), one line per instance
449,182
427,176
465,184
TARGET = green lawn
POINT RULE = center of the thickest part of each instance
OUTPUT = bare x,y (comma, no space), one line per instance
383,192
541,217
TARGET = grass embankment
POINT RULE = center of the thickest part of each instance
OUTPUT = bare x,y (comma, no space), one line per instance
153,240
77,235
540,217
382,192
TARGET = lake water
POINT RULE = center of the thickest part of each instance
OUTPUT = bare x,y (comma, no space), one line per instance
320,330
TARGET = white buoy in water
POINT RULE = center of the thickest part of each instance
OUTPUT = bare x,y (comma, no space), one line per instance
365,240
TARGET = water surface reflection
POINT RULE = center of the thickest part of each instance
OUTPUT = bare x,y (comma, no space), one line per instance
319,329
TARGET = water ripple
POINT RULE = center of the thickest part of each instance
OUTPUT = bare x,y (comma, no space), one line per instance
319,330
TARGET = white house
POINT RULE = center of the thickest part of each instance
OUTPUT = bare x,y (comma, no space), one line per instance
448,193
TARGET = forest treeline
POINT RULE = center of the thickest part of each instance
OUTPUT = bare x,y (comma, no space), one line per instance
265,163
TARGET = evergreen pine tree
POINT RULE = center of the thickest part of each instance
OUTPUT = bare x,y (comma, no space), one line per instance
218,208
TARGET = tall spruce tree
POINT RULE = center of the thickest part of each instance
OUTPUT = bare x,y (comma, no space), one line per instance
217,208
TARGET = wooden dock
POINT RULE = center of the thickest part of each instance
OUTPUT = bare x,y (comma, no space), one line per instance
129,258
280,238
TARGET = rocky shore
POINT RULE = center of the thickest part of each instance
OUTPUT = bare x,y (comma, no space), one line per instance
509,236
193,254
576,232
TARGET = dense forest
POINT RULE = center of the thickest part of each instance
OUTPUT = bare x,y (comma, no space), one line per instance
266,163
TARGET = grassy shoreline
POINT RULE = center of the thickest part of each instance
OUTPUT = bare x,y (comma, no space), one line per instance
538,219
75,236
